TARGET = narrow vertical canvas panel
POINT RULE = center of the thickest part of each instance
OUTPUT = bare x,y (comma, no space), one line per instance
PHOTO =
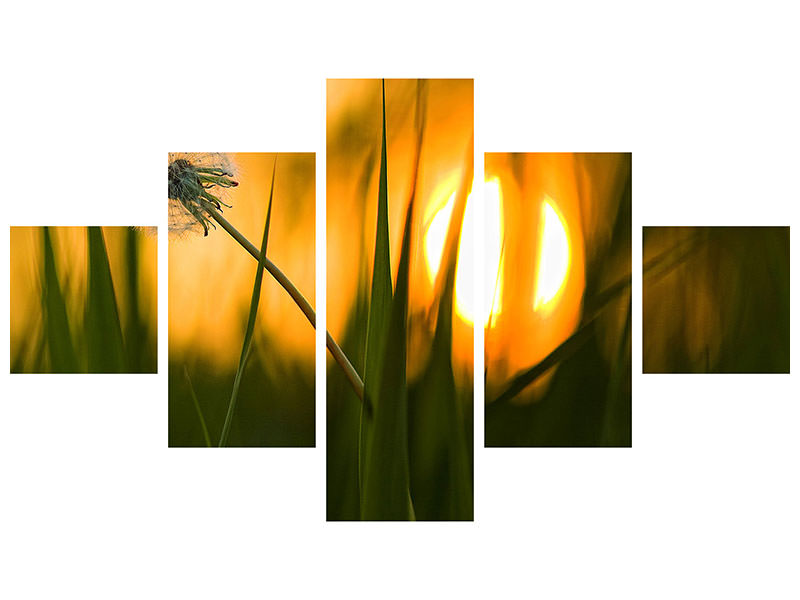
399,298
558,330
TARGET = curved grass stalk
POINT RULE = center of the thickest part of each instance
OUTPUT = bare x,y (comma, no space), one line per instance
655,267
299,299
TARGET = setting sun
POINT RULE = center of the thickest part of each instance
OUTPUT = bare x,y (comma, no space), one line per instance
554,256
435,235
552,260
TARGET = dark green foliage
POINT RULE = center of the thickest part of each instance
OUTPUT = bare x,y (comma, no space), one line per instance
573,412
386,478
135,328
63,358
617,421
441,475
199,410
745,274
343,419
103,329
96,341
286,419
380,304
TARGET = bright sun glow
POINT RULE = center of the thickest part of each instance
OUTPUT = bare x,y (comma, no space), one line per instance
435,237
554,256
436,234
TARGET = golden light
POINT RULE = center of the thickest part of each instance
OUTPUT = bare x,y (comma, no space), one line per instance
543,277
554,257
434,239
204,271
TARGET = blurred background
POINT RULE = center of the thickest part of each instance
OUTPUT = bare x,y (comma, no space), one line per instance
353,163
210,288
558,264
715,300
83,299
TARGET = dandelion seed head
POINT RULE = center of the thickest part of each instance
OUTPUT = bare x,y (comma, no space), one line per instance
197,183
148,231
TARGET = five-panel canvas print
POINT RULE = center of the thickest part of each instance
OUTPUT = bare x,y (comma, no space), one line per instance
409,222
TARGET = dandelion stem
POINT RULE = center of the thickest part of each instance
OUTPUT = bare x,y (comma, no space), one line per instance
299,299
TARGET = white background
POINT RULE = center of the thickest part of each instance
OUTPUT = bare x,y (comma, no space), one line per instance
94,505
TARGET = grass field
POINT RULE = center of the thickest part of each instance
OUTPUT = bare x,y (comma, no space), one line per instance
399,154
83,300
721,305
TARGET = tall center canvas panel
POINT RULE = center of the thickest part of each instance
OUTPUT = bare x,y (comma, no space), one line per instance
399,299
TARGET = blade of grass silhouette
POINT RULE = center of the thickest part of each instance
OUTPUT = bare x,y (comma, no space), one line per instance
103,328
63,358
386,476
134,334
459,500
380,301
440,459
251,318
197,407
617,418
343,498
663,263
39,357
297,297
564,350
657,266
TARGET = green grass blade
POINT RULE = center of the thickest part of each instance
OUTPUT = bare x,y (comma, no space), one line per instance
135,333
441,474
386,476
658,266
380,302
617,420
441,477
563,351
251,319
654,268
380,305
197,407
568,347
103,328
63,358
